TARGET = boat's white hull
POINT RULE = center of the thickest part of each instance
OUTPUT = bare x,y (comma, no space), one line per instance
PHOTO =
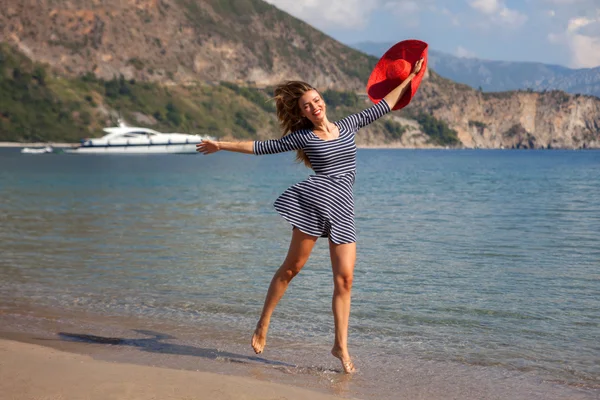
45,150
136,149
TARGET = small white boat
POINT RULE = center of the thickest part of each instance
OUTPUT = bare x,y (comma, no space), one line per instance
132,140
37,150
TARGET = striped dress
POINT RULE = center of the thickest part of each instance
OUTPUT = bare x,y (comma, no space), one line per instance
323,204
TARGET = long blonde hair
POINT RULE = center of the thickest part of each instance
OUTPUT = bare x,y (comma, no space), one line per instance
286,97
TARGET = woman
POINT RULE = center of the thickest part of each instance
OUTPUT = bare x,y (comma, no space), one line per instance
322,205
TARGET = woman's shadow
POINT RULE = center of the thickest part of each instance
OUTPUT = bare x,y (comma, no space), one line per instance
155,344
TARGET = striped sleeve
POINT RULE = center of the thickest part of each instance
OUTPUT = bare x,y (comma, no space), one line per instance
292,141
356,121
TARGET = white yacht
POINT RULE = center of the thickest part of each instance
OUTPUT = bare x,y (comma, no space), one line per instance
37,150
125,139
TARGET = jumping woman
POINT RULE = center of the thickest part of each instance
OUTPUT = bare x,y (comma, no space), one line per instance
323,204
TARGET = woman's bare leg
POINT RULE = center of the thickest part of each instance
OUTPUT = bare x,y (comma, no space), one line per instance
343,257
298,253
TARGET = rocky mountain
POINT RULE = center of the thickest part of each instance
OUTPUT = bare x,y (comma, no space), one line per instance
67,67
499,76
523,119
178,41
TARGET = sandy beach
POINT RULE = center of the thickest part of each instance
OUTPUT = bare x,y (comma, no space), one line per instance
29,371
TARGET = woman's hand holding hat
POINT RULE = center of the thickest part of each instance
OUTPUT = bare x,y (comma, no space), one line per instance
418,66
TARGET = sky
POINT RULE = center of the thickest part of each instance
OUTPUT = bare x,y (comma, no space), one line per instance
563,32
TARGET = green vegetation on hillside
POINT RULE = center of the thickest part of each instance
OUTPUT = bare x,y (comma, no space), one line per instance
336,99
240,7
393,130
515,131
257,96
37,106
438,131
478,124
29,107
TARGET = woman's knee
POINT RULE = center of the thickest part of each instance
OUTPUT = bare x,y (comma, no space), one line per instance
290,269
343,282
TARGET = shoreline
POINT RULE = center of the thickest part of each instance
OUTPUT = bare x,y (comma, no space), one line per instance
34,371
65,144
141,347
362,146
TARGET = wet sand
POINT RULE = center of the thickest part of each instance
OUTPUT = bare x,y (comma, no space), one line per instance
29,371
54,354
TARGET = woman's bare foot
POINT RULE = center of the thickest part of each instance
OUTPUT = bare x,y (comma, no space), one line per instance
347,364
259,339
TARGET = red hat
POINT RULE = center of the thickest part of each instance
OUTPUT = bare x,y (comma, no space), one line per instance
394,67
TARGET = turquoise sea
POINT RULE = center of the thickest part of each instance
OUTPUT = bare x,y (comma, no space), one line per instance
478,272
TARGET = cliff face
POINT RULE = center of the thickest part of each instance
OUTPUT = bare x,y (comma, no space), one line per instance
174,43
512,119
177,41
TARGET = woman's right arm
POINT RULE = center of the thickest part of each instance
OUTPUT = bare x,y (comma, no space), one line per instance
212,146
292,141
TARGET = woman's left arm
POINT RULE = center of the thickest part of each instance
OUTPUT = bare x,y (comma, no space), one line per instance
396,94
